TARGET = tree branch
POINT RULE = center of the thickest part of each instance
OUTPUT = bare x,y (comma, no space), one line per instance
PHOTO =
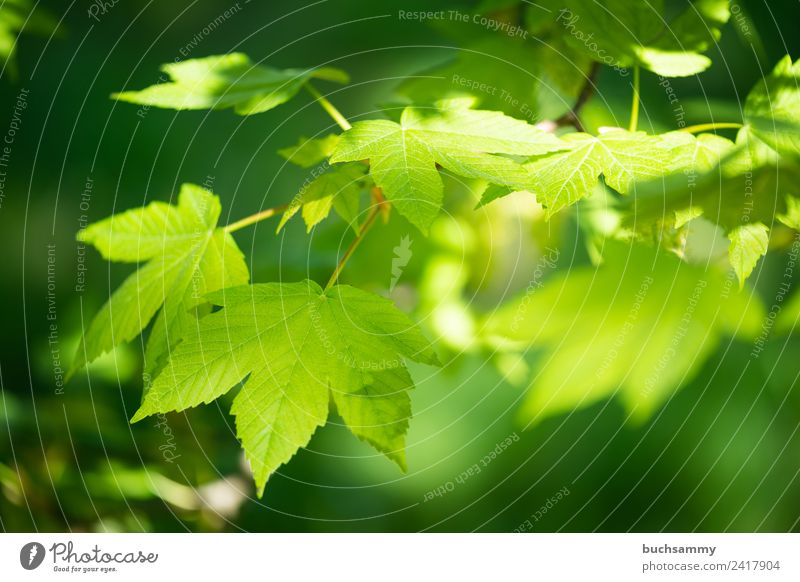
572,117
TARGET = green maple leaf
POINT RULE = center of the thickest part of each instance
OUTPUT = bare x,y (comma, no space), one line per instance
693,156
694,163
651,322
740,196
749,243
562,178
696,156
339,189
699,153
185,256
758,152
729,195
379,412
310,152
293,344
227,81
403,156
625,33
772,109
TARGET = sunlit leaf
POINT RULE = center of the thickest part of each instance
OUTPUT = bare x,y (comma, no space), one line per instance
749,243
403,156
185,256
772,109
637,328
563,178
292,344
623,33
227,81
339,188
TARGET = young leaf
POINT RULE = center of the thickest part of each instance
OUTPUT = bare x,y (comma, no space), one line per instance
772,109
310,152
651,322
227,81
625,33
563,178
749,243
292,344
403,156
186,257
729,195
339,188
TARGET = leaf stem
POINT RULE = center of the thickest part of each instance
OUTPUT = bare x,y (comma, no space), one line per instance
711,127
635,104
329,107
253,218
373,214
270,212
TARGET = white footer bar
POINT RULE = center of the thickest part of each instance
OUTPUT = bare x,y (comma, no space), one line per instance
402,557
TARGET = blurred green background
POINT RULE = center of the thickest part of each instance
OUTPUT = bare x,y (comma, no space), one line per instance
723,454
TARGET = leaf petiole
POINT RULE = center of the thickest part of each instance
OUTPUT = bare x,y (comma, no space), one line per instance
380,201
254,218
270,212
635,103
710,127
329,107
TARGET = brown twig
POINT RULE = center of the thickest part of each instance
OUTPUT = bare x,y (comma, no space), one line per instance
572,117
